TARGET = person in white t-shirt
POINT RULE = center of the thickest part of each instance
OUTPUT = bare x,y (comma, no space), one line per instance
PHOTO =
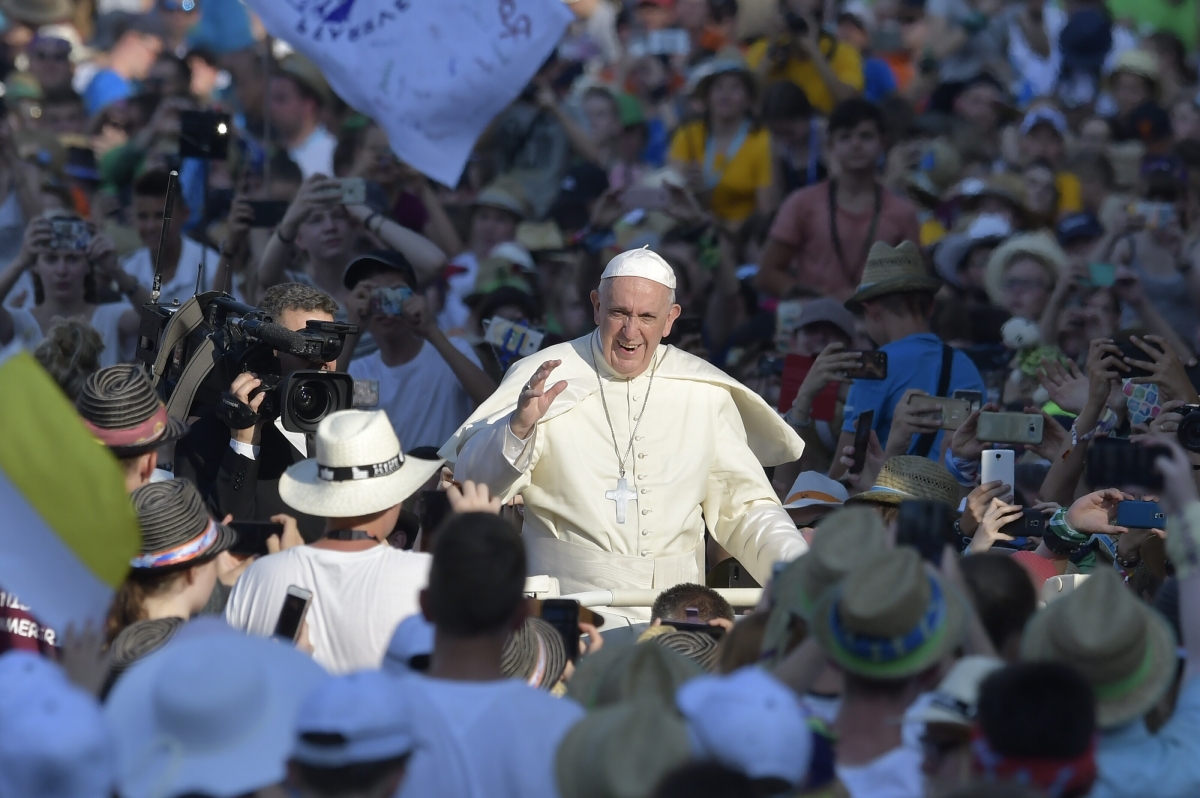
428,384
181,255
361,586
296,95
480,734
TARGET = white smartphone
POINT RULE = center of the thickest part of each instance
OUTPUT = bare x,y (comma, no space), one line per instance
1000,464
291,616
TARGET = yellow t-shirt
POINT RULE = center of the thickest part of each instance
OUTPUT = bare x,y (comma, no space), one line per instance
734,197
1070,193
845,61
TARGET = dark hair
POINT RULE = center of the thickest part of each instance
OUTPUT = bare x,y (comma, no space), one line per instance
784,101
704,780
356,779
849,114
672,603
180,64
1002,594
70,353
153,183
1037,709
89,286
295,296
129,604
303,89
477,580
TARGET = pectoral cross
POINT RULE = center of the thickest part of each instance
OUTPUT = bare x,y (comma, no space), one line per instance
622,496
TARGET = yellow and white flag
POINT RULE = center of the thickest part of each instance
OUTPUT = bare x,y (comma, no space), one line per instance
67,526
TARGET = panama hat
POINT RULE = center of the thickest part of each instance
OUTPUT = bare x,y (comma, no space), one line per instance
1040,246
846,538
986,229
908,477
617,674
120,408
1124,649
891,270
504,194
938,168
359,468
1138,62
177,530
890,618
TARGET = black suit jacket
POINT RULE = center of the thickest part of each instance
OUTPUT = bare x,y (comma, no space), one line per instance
235,485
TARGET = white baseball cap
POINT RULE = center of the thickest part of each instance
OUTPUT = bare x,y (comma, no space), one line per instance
641,263
413,638
56,743
359,717
957,697
814,489
749,721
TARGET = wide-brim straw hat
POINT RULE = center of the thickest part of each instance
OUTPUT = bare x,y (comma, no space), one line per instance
120,407
847,537
908,477
726,63
1007,187
1137,62
37,12
892,270
621,673
177,530
939,167
1122,647
985,230
1040,246
506,194
890,618
359,469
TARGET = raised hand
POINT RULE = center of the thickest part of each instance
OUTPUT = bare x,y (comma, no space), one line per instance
535,400
1096,512
978,502
1066,384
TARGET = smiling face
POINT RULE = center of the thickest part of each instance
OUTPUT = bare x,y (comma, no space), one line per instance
633,315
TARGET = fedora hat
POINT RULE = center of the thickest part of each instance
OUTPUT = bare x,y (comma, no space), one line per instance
1040,246
890,618
176,527
891,270
38,12
120,408
907,477
359,468
846,538
1124,649
617,674
212,713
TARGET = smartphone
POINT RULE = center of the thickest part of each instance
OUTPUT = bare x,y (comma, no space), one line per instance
999,464
252,536
72,234
354,191
1115,463
1031,524
291,616
204,134
268,213
1132,351
927,526
366,393
433,507
390,301
874,365
1102,275
1010,428
795,370
974,397
645,197
1141,515
862,439
563,615
953,413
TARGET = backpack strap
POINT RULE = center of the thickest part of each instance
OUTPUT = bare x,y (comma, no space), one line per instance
925,440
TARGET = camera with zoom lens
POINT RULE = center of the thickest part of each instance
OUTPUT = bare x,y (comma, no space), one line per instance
303,398
1189,428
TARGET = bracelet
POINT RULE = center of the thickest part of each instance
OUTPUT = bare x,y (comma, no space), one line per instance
279,235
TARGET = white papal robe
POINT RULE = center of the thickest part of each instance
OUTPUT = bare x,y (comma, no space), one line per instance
697,461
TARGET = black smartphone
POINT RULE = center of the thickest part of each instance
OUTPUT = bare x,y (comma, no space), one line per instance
1031,524
291,616
434,507
927,526
1115,463
1132,351
874,365
252,536
204,134
563,615
862,439
218,202
268,213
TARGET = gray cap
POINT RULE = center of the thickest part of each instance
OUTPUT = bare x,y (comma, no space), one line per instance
827,310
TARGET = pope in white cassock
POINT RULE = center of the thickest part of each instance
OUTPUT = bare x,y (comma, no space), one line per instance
633,451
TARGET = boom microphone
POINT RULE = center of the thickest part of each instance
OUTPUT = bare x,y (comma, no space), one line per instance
273,335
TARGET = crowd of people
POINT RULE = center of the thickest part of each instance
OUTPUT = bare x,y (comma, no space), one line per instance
888,311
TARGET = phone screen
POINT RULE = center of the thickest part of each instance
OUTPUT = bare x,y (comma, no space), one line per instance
874,365
295,605
862,439
563,615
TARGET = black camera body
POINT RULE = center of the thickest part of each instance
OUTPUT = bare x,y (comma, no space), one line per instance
1189,427
301,399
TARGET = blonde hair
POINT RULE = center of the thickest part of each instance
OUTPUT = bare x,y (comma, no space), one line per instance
70,353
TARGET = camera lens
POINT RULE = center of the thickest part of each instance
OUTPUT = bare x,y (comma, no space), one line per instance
1189,429
310,402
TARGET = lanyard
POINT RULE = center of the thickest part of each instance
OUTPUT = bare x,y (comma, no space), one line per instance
833,230
711,177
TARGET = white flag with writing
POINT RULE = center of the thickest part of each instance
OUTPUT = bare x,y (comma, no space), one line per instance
432,73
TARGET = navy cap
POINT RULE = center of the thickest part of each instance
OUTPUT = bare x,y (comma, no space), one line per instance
370,261
1078,227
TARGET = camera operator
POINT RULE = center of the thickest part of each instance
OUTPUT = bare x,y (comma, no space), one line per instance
828,70
238,470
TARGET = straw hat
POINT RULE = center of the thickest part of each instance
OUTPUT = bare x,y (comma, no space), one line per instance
987,229
120,408
1041,246
1122,647
359,469
1138,62
731,62
306,72
907,477
505,194
1004,186
939,167
176,527
617,674
890,270
846,538
890,618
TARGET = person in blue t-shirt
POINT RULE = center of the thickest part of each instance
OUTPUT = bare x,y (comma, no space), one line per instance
895,300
